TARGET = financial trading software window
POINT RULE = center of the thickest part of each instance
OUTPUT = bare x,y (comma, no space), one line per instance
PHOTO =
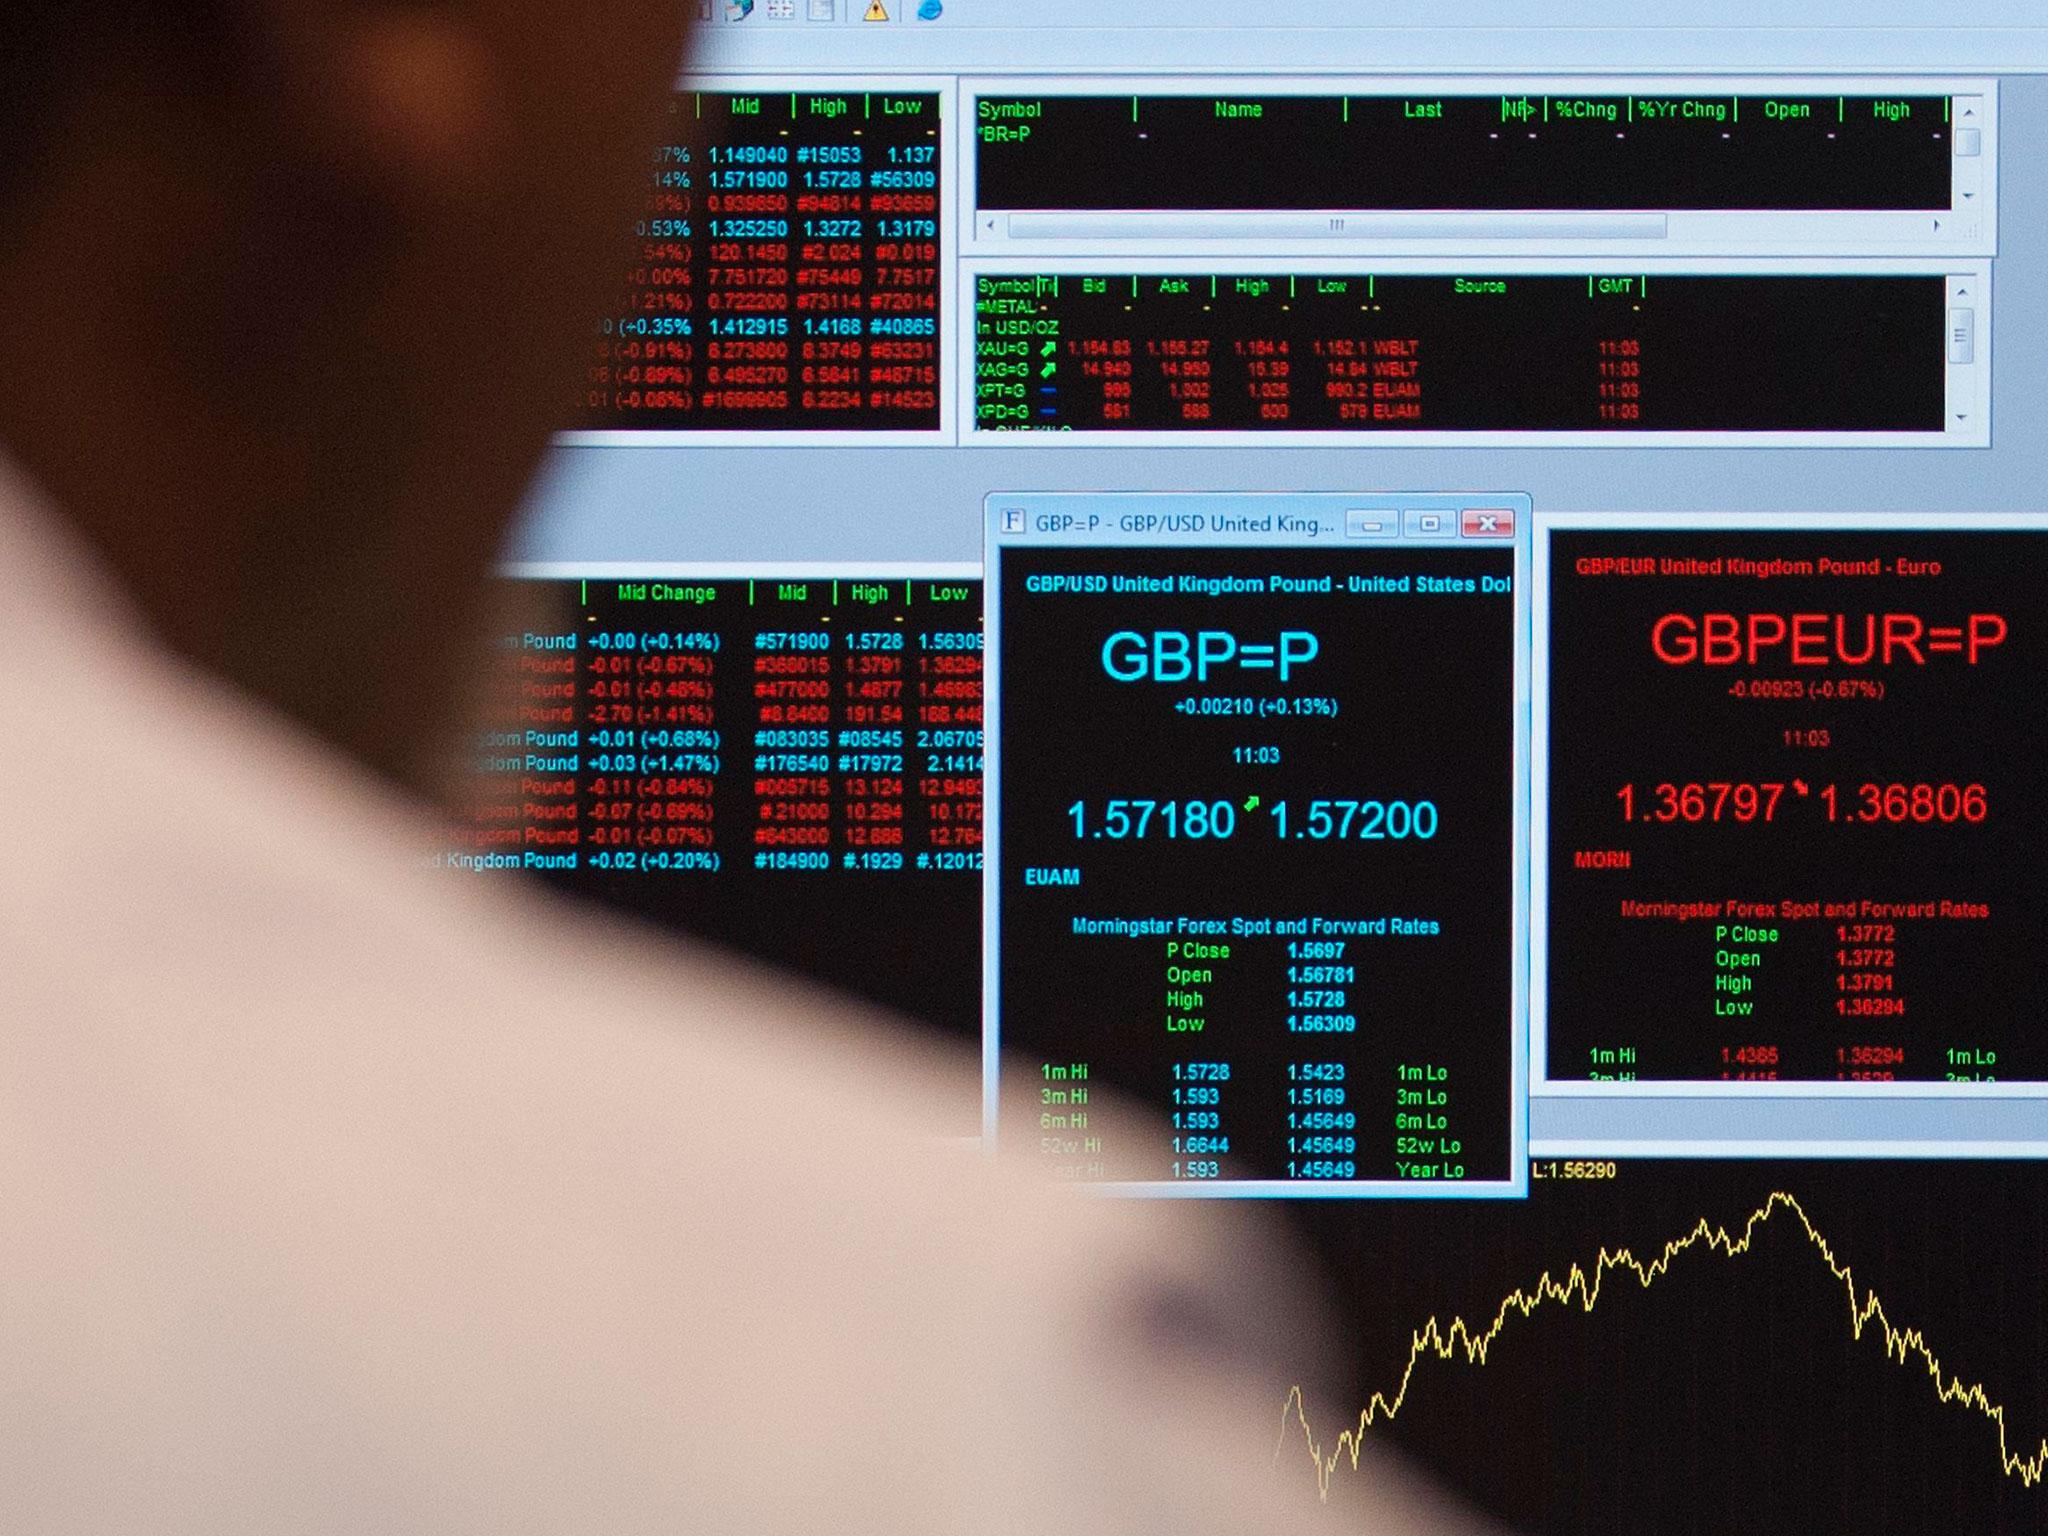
1258,766
1779,843
1427,605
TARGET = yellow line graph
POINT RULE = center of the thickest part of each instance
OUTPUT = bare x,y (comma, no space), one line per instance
1460,1340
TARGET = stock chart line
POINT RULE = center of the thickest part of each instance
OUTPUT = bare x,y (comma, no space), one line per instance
1460,1340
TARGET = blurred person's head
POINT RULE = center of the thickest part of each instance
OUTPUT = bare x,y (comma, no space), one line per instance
290,295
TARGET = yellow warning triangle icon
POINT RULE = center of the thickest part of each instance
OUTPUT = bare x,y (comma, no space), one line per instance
876,11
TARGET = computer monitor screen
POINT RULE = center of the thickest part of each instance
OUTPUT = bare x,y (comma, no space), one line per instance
1445,604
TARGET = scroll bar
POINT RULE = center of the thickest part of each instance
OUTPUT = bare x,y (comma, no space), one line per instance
1331,226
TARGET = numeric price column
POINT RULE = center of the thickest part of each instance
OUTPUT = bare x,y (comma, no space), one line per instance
1256,856
784,270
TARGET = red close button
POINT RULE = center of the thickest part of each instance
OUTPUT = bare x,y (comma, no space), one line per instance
1489,523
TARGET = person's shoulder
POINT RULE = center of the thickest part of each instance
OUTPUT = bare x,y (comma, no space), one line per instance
419,1152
